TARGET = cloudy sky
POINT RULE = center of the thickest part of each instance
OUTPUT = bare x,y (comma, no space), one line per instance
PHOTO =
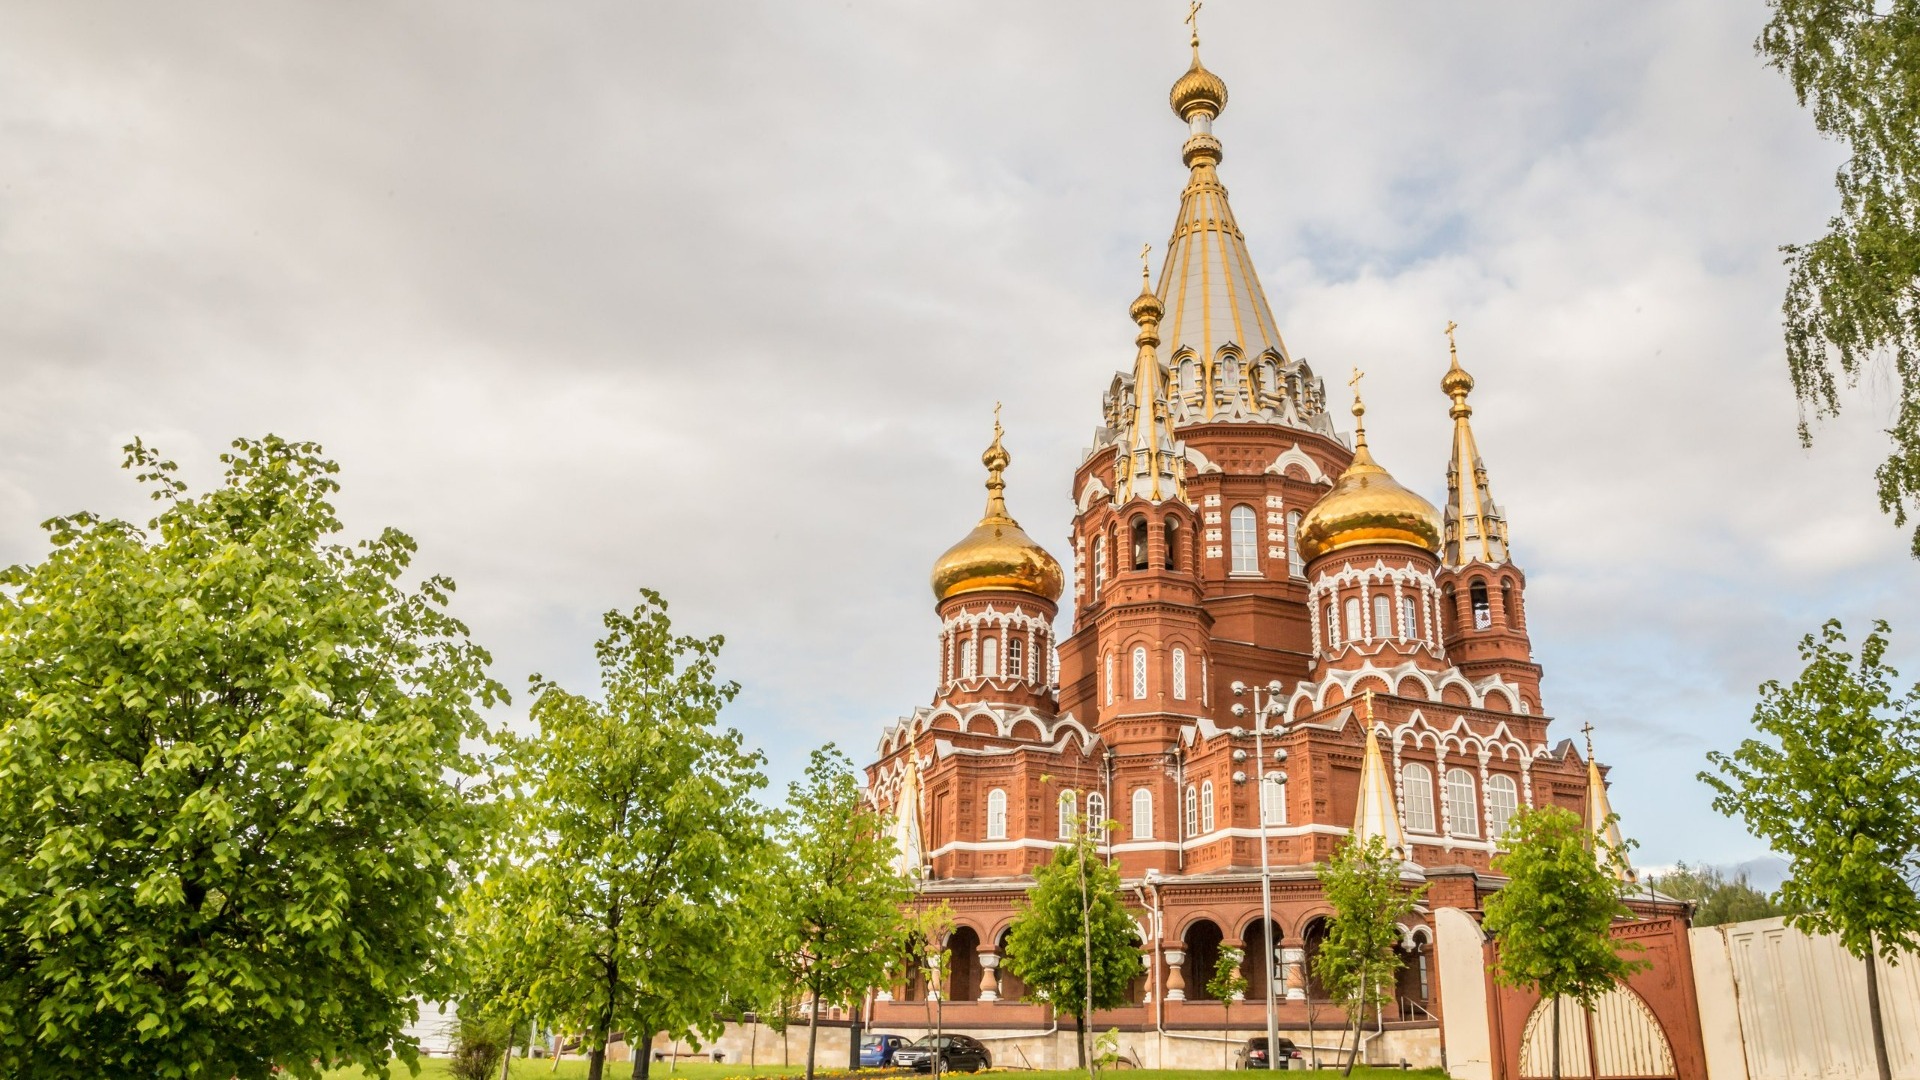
717,298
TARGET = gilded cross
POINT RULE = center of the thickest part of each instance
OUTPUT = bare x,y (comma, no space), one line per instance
1145,250
1451,327
1193,20
1369,703
1355,382
1587,730
996,418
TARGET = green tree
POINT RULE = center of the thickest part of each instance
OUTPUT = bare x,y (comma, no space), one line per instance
1853,295
837,911
1717,898
1833,784
1358,960
1071,941
1226,984
620,900
231,779
1552,920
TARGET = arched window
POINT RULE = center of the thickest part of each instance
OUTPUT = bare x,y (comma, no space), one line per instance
1409,619
1179,674
1171,533
1482,613
1416,787
1099,563
1142,814
1273,806
1109,678
1506,603
990,657
1296,565
1189,377
1356,629
1206,806
1382,617
1097,815
1139,672
1015,660
1333,626
1193,812
1069,807
1462,808
1139,543
1246,540
1503,799
996,814
966,661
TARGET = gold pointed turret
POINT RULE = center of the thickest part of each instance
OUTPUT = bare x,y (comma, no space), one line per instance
1603,827
1148,464
1377,814
1476,530
1367,505
997,554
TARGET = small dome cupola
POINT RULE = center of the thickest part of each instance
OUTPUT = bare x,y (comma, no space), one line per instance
1367,505
997,555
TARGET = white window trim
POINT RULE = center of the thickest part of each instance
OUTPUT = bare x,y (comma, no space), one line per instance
1143,813
996,814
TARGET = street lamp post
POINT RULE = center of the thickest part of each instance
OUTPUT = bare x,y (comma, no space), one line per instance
1260,710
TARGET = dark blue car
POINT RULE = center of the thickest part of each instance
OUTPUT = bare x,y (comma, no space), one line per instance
877,1050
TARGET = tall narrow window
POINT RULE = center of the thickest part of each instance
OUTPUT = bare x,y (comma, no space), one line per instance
1016,662
1333,626
1273,802
1409,619
1142,814
996,814
1193,812
1482,613
1449,612
990,658
1356,629
1139,672
1099,563
966,661
1109,678
1179,674
1206,806
1503,800
1462,808
1246,541
1069,808
1416,787
1382,617
1296,565
1171,533
1506,604
1097,816
1139,543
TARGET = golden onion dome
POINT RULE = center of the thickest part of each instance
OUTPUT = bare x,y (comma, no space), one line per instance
1198,90
997,554
1368,506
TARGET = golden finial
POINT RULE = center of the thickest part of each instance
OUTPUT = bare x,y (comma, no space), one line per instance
1145,250
1451,327
1368,700
1359,411
1193,20
996,459
1587,730
1456,383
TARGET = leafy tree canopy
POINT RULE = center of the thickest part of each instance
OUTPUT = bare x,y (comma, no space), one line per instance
1833,784
1853,295
1046,949
1552,917
230,783
620,900
1717,898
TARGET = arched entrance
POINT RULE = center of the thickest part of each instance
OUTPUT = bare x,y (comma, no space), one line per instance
1626,1038
1312,936
963,964
1202,939
1011,988
1413,986
1258,939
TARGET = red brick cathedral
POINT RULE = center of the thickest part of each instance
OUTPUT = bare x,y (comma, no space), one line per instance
1237,560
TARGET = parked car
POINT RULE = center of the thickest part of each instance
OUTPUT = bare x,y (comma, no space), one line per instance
1254,1054
958,1053
876,1050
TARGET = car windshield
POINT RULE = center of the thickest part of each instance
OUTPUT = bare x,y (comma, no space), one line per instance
930,1041
868,1042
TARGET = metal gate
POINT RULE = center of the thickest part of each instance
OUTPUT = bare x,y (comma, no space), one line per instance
1621,1033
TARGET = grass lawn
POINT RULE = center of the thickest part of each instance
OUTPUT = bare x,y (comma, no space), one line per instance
573,1069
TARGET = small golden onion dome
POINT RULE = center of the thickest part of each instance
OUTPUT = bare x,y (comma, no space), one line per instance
997,554
1456,382
1198,90
1146,306
1368,506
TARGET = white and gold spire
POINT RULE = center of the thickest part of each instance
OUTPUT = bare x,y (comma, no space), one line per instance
1476,529
1376,813
1148,464
1601,824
